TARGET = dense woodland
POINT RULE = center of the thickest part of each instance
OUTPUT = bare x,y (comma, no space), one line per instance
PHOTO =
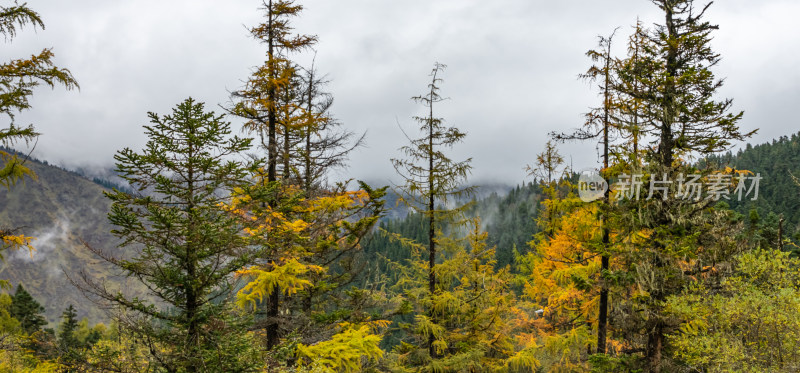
240,254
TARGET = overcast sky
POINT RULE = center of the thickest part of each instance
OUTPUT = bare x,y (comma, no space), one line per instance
511,77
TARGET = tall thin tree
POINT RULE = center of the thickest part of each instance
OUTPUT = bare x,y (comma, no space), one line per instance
598,125
430,176
259,101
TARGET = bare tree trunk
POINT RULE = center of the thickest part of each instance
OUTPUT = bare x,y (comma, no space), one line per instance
602,316
431,229
655,346
655,337
274,298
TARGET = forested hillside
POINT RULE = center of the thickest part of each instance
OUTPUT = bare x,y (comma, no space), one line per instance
509,219
778,163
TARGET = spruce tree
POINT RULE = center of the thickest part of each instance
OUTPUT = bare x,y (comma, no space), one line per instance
66,330
187,247
27,311
69,346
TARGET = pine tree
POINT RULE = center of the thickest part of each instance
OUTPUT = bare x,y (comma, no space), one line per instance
187,246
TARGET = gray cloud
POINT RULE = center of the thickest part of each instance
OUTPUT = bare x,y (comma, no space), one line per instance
511,77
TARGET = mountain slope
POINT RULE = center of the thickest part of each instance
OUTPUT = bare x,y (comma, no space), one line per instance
60,209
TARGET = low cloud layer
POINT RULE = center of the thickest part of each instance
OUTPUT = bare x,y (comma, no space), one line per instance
511,78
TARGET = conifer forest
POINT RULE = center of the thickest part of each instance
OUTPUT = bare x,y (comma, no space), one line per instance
656,232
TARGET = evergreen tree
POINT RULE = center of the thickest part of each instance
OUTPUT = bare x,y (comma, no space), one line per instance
66,331
675,88
70,347
626,101
187,246
27,311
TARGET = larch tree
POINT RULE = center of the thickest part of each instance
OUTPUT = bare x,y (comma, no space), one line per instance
561,278
599,126
558,280
431,177
18,79
550,171
259,102
472,315
310,229
326,144
721,332
294,233
186,246
549,166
